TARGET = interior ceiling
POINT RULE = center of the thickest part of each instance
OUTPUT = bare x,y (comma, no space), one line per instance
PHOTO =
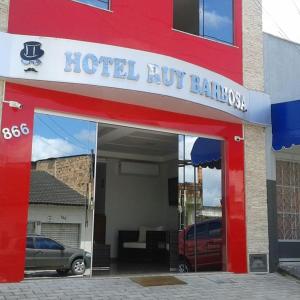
120,141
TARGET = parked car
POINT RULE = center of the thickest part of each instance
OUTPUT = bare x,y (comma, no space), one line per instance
43,253
209,244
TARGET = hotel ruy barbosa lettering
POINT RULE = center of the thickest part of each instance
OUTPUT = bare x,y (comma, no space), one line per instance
121,68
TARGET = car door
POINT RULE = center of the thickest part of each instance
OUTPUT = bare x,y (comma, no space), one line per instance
214,243
189,249
50,254
196,246
30,253
201,244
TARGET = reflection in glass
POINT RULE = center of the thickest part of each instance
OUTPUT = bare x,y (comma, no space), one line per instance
208,18
104,4
199,203
216,19
61,200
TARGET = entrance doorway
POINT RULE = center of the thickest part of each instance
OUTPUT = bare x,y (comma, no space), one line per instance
158,203
122,200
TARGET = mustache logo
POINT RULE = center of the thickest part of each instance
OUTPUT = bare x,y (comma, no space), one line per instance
31,70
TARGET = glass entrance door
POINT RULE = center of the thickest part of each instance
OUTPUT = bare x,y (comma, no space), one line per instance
61,205
200,239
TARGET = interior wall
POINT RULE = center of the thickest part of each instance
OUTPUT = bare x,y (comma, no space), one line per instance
133,201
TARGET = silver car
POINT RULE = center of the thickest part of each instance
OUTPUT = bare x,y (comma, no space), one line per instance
43,253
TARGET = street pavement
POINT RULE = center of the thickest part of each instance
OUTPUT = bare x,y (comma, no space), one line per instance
214,286
290,268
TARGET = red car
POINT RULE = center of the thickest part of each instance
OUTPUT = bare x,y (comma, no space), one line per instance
208,243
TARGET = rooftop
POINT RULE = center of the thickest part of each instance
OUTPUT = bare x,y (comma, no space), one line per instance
46,189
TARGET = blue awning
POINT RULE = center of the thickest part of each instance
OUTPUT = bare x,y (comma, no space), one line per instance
286,124
206,153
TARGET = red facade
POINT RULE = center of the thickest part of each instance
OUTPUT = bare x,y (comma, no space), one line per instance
143,25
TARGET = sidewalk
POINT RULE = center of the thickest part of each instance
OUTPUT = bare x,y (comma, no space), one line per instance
290,268
199,286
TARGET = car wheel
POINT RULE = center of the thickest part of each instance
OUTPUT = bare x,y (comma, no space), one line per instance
62,272
183,266
78,266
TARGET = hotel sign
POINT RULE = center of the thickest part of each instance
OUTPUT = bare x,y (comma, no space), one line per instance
130,76
122,68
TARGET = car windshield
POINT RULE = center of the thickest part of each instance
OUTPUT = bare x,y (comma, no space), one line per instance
201,231
214,229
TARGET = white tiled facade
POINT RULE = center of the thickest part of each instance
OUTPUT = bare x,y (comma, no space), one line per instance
4,5
255,160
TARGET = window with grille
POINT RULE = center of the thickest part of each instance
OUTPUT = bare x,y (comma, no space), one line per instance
288,200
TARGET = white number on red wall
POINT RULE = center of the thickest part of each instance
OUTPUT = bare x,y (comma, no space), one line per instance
15,131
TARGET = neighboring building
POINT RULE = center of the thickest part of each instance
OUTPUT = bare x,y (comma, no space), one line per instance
75,171
156,65
187,196
282,72
59,212
60,204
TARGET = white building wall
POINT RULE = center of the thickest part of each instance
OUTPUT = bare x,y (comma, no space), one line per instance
282,69
282,73
134,201
64,214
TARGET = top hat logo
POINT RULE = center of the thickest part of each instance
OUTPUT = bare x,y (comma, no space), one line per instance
31,54
32,51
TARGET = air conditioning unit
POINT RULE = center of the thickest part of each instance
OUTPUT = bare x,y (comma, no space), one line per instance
138,168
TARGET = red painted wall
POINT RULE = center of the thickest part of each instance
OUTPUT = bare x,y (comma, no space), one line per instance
137,24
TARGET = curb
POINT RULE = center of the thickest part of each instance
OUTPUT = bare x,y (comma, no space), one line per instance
285,272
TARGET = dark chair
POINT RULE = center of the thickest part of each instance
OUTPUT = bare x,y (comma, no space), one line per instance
156,246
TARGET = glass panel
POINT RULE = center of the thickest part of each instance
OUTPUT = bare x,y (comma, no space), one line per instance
200,241
209,18
212,192
186,16
97,3
216,20
61,204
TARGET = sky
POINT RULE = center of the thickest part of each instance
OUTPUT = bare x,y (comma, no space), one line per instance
212,188
217,22
56,136
282,18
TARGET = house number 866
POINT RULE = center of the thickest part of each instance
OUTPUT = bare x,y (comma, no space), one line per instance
15,131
